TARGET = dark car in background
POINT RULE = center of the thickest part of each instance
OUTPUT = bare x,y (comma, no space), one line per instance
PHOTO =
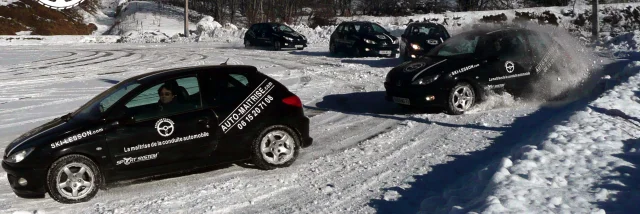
363,38
217,114
457,73
420,37
274,35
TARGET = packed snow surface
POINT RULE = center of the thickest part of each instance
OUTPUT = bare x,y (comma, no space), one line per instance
505,156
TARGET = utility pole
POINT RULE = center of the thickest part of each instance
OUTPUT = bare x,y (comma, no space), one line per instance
186,18
594,22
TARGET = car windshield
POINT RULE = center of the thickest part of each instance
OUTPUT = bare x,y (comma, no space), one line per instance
462,44
426,30
105,100
369,28
282,28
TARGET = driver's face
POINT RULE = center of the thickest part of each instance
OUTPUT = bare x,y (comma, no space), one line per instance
166,96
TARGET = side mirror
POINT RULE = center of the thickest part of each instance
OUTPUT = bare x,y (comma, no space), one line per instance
121,118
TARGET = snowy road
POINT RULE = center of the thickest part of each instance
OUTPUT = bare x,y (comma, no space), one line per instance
366,152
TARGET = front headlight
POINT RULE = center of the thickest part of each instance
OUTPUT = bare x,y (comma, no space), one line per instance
415,46
368,41
288,38
19,156
426,80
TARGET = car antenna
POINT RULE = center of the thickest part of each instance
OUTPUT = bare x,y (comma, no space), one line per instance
225,62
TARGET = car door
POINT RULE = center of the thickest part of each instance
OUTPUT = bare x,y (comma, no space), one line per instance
337,35
252,33
513,62
146,135
233,95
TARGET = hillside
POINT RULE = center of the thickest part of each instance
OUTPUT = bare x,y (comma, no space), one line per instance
21,17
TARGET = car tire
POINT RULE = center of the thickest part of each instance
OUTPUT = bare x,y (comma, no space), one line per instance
277,46
275,141
461,98
300,49
74,171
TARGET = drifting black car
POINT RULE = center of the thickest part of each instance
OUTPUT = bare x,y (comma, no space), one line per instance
420,37
274,35
457,73
206,115
363,39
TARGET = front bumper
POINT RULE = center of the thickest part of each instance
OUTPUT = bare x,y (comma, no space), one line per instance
35,180
379,50
416,95
294,44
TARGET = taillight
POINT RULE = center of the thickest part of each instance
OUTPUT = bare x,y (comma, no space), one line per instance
293,101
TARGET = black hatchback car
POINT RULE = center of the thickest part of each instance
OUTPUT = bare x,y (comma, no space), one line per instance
420,37
363,39
160,122
274,35
458,72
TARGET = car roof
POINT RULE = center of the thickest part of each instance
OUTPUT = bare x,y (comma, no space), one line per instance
424,23
487,31
358,22
161,74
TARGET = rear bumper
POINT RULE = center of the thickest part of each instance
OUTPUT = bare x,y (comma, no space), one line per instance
35,180
303,129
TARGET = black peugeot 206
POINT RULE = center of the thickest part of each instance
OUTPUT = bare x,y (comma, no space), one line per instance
363,39
157,123
420,37
275,36
458,73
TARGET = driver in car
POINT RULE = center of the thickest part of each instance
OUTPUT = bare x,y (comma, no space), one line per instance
168,101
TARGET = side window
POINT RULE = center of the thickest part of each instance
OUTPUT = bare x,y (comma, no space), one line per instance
164,99
107,102
537,44
339,29
227,89
511,47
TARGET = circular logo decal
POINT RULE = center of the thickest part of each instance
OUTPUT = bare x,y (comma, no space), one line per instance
164,127
509,66
414,66
60,4
432,41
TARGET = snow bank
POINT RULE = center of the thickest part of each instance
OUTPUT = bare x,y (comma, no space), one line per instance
209,30
575,168
623,43
145,37
7,2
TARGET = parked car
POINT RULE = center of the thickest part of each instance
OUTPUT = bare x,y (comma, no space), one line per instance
457,73
156,123
420,37
363,39
274,35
